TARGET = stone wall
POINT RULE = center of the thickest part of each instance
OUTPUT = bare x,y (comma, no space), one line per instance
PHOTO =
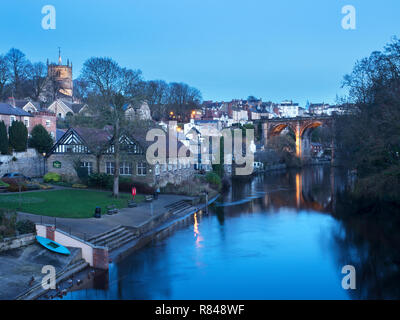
29,163
94,255
174,176
17,242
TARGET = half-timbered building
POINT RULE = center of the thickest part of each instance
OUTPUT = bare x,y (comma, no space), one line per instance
93,149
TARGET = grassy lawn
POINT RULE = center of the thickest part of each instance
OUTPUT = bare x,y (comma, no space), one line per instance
68,203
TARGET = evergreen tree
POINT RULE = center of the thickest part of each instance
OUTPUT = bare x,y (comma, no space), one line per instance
3,138
18,136
40,139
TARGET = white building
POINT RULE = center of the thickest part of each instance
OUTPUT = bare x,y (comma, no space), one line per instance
289,109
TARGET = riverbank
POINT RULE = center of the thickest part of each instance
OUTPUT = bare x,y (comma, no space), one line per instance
143,223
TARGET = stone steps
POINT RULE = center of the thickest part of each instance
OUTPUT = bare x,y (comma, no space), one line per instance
178,206
114,238
122,242
106,234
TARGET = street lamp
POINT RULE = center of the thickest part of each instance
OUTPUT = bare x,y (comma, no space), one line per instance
44,163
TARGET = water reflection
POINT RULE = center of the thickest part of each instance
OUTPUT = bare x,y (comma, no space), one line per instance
274,237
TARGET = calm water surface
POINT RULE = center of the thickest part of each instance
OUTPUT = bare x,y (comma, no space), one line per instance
272,237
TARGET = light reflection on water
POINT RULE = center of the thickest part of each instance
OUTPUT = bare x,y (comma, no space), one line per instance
270,238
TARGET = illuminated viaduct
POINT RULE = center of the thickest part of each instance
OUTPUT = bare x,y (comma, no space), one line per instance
302,128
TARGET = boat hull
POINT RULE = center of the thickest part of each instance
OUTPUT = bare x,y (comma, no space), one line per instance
53,246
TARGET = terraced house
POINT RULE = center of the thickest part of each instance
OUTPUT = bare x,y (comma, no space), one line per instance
93,149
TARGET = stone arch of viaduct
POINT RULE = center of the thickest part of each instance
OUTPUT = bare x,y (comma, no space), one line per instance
302,128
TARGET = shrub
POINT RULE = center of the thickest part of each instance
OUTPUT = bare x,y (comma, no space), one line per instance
213,179
7,223
3,184
3,138
100,180
83,174
18,136
40,139
125,184
25,226
15,188
79,186
141,187
52,177
62,184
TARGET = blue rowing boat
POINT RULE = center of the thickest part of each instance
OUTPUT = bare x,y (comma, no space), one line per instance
52,245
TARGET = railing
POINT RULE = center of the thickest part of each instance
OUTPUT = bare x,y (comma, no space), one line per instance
66,228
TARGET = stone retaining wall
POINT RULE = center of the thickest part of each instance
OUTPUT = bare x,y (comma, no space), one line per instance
94,255
17,242
29,163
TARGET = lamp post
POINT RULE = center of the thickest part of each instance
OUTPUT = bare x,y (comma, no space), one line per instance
44,163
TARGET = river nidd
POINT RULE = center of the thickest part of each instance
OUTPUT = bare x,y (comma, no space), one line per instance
273,236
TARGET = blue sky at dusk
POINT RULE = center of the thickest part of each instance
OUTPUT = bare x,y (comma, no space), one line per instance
228,49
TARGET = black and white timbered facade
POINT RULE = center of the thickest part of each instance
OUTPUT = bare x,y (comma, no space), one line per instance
94,150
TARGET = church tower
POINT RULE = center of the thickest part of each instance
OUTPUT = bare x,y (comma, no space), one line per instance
61,75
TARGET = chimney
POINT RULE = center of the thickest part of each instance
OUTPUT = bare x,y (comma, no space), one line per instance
11,101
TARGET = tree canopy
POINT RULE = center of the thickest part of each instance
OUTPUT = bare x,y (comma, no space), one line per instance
40,139
368,139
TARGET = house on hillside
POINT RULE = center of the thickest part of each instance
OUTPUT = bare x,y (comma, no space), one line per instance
63,108
25,104
94,150
140,112
9,114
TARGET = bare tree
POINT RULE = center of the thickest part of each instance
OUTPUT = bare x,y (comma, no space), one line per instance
18,66
38,79
4,75
156,94
182,99
110,87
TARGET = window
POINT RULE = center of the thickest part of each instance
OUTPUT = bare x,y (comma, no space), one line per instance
12,119
48,123
26,122
110,167
141,169
125,168
88,165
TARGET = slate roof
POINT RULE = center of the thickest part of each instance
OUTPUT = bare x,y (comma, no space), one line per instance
101,137
23,103
59,133
75,107
10,110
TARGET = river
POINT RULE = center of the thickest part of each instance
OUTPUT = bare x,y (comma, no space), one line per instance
272,237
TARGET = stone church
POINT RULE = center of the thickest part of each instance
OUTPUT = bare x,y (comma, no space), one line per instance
60,83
